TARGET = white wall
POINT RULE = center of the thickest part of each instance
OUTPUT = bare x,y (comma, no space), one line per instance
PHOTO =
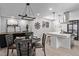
42,30
21,26
21,23
3,25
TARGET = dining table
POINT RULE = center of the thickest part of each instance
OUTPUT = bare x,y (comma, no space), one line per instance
34,41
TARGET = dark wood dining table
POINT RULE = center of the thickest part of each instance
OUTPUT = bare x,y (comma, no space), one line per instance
34,41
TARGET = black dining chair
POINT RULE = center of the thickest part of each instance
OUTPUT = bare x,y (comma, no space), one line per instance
24,47
10,43
42,45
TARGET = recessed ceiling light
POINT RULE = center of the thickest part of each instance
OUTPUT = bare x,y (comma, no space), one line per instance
50,9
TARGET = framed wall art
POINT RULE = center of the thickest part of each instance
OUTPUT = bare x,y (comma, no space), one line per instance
37,25
45,24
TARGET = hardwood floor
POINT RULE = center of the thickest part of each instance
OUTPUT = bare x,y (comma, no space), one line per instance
50,51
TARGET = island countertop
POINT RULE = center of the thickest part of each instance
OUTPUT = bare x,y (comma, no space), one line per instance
59,34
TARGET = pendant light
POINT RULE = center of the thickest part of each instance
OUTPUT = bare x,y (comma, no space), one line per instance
53,15
27,13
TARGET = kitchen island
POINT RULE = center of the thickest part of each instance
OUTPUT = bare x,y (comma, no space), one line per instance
60,40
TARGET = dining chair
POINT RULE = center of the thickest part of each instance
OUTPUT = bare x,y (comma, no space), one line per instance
10,43
48,39
24,47
42,45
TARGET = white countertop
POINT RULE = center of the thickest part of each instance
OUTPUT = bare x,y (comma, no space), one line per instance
59,34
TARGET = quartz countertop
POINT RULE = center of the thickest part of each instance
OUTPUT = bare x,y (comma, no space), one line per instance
59,34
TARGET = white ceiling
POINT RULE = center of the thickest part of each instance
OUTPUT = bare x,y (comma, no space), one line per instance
13,9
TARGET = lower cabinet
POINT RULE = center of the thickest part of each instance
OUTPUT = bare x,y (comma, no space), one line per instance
2,41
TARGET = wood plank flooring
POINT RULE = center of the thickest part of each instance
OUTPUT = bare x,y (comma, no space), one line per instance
50,51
